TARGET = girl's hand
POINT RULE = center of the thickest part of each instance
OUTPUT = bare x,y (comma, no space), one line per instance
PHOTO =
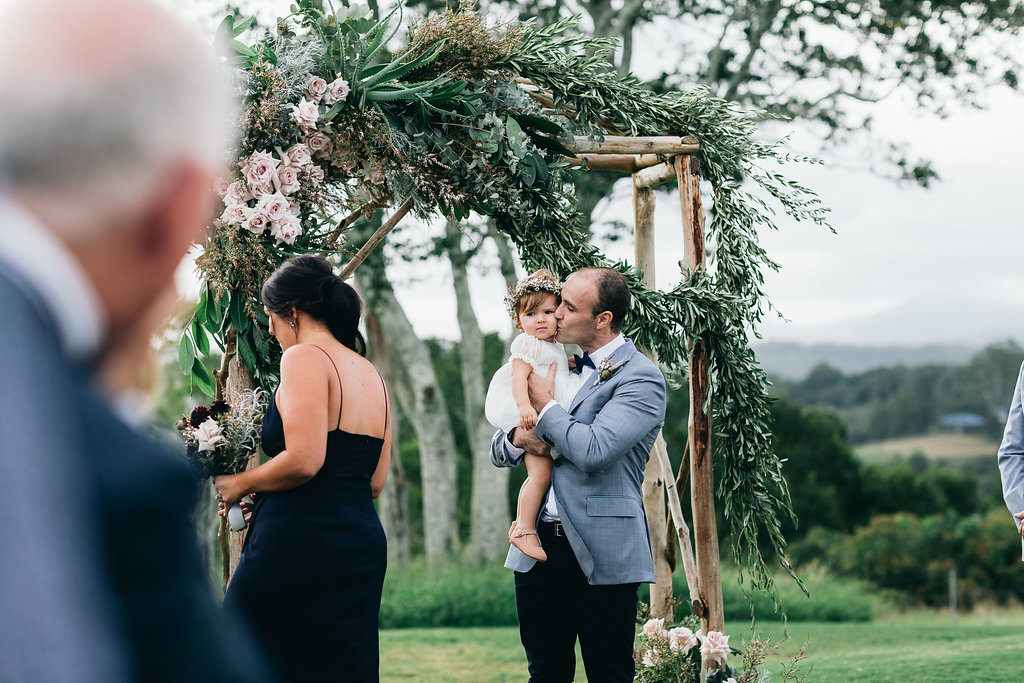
527,418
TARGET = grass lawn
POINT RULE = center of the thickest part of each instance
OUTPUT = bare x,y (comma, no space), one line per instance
982,647
940,446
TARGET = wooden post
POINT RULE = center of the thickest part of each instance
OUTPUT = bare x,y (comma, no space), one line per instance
705,531
654,483
239,379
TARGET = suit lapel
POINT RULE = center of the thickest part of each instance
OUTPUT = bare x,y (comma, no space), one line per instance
623,353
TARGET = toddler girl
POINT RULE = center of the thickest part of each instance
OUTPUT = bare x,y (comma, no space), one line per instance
532,305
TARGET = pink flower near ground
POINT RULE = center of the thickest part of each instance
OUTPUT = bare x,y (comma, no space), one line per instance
682,639
306,114
714,649
655,627
650,658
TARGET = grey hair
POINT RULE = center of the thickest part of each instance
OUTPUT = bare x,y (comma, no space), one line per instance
108,136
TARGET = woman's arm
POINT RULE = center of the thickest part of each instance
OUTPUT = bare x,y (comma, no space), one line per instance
380,475
302,402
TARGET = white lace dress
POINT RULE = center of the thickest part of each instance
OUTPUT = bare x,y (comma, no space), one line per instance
500,406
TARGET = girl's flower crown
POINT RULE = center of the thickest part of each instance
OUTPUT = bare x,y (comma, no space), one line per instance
535,283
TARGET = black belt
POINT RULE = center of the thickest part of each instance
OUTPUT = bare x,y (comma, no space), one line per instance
551,527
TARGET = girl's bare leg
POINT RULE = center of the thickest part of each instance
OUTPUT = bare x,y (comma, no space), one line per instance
531,498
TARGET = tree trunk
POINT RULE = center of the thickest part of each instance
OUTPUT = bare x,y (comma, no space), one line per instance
506,257
394,500
424,404
239,379
489,502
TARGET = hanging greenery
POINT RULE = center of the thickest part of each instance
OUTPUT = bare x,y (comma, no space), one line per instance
335,127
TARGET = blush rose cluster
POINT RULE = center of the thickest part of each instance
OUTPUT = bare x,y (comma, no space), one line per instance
263,197
676,654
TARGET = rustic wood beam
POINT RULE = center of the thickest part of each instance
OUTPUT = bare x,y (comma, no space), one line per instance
653,176
376,238
660,454
624,163
705,532
620,144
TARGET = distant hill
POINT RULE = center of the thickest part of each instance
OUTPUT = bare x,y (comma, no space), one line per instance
793,361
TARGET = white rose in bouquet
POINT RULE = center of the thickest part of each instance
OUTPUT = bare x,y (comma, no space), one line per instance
209,435
306,114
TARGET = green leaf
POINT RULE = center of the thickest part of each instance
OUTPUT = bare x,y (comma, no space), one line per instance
247,353
262,341
186,354
202,306
528,170
203,378
538,123
239,320
201,338
242,49
240,28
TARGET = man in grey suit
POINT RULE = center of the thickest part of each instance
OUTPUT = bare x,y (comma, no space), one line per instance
1011,457
113,116
592,526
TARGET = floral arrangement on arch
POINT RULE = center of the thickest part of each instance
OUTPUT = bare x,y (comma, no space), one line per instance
676,654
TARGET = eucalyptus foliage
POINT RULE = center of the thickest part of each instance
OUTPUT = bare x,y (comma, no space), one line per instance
445,122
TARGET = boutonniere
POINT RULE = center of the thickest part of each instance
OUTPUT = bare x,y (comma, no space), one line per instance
605,370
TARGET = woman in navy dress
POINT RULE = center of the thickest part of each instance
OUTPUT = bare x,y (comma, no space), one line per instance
310,575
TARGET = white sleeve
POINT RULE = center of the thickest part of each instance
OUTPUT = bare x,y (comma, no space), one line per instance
526,348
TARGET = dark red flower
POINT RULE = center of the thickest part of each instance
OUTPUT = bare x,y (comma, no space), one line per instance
200,414
219,408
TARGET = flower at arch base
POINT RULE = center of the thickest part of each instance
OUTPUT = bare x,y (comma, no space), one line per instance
209,435
714,649
650,658
682,639
655,628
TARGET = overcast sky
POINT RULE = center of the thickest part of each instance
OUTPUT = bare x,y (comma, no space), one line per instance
907,265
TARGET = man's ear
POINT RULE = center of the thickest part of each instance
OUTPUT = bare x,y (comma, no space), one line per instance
603,319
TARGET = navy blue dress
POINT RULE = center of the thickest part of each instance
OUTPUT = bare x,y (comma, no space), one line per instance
310,576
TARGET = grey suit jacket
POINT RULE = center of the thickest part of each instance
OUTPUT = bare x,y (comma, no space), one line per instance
600,447
1011,454
100,575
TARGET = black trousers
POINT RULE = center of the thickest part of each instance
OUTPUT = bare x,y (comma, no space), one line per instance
556,606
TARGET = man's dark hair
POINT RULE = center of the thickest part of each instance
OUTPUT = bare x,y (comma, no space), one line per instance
612,294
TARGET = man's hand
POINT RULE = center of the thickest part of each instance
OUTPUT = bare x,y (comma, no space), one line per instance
1020,527
530,442
542,389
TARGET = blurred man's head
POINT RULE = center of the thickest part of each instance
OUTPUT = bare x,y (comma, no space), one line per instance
115,121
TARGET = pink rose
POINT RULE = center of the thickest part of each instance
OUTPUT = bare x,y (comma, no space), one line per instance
654,627
319,144
288,178
315,88
650,658
298,155
273,206
237,193
260,169
681,638
235,214
256,223
336,91
347,164
714,649
220,186
315,173
306,114
286,229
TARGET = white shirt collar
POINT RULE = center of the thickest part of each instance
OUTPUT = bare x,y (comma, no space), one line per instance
49,269
608,349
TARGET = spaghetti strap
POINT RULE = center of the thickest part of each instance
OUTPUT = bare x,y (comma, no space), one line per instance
340,390
387,404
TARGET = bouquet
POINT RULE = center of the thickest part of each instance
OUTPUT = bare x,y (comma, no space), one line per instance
220,438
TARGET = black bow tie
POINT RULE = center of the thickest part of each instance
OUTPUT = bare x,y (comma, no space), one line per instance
584,361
